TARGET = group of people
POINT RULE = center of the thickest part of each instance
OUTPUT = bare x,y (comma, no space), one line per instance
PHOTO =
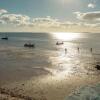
78,49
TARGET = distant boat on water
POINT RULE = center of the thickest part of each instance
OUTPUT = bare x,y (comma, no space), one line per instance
5,38
59,43
29,45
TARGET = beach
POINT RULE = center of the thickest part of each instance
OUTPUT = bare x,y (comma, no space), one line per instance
47,72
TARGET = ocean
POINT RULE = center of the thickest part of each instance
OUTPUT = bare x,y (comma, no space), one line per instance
54,70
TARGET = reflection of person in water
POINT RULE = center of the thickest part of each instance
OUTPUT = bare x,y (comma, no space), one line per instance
65,50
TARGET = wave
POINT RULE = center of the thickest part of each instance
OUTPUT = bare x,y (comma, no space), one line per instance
86,93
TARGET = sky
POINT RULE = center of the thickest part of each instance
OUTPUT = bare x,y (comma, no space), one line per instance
50,16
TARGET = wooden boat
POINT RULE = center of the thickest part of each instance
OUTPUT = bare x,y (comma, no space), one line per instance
59,43
97,67
4,38
29,45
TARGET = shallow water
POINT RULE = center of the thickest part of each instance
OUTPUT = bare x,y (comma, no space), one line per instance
48,64
86,93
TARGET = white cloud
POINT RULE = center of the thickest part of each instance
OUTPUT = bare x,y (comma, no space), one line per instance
2,22
89,16
49,23
91,5
96,25
3,11
15,19
46,22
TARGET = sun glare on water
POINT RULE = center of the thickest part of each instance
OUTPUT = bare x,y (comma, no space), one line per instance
66,36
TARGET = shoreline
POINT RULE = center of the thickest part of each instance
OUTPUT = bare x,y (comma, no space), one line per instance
46,88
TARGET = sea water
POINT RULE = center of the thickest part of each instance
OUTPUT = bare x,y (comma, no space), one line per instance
18,63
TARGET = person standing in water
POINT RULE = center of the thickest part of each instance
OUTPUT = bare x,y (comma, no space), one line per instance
65,50
91,50
78,49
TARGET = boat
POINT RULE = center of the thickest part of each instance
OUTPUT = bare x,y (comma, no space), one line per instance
97,67
59,43
5,38
29,45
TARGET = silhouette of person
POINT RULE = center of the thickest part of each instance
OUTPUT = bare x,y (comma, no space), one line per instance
78,49
91,49
65,50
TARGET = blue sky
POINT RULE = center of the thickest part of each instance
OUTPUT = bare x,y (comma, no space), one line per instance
60,11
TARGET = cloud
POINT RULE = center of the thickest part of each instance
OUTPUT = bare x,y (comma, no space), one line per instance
23,20
91,5
46,20
1,22
89,16
3,11
96,25
15,19
49,22
41,22
26,23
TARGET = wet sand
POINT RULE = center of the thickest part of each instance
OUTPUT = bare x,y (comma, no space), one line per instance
46,88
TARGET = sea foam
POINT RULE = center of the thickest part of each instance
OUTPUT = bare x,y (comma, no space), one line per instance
86,93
